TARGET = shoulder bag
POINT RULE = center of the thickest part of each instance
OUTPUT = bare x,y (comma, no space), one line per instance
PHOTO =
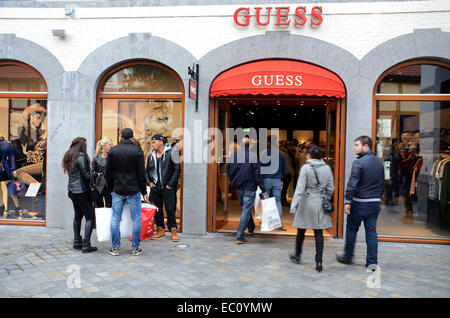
327,205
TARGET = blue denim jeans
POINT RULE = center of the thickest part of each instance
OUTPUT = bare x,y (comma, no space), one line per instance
134,201
366,212
247,199
274,185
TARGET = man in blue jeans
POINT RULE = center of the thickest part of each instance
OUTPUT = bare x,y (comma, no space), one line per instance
363,201
125,174
243,169
273,168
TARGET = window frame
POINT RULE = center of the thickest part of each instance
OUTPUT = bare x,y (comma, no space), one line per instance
141,95
25,95
405,97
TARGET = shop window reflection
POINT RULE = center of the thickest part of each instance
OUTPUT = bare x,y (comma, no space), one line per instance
412,140
23,152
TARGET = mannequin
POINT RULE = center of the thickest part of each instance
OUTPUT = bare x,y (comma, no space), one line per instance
35,159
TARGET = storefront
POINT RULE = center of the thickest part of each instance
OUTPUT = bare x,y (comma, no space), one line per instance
290,99
98,68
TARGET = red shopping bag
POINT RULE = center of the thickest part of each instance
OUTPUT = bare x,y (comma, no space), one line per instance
147,217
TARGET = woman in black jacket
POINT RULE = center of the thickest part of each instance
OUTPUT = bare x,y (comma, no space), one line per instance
99,167
76,164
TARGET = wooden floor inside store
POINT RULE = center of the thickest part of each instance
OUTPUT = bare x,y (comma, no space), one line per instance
234,215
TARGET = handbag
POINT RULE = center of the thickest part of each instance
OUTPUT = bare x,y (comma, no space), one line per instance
15,186
327,205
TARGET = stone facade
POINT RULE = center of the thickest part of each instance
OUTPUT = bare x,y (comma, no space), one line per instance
72,87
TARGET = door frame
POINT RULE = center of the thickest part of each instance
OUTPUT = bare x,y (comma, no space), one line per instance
339,180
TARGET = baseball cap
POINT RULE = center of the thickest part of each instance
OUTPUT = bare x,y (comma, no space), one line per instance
158,137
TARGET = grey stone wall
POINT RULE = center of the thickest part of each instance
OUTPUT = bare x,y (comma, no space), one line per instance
72,95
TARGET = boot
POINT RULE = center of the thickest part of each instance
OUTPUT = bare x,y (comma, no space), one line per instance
173,234
295,258
160,233
77,243
319,263
87,248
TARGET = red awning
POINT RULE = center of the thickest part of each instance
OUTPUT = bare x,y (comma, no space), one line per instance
278,77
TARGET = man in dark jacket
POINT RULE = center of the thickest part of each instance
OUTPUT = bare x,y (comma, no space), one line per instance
125,175
163,173
363,201
244,172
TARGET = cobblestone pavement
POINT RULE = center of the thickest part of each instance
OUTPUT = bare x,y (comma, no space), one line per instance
40,262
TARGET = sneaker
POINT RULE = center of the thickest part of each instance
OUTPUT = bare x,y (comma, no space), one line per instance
372,267
12,215
25,215
114,251
343,260
136,252
240,240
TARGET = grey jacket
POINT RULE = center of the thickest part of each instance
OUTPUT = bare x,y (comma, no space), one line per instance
307,200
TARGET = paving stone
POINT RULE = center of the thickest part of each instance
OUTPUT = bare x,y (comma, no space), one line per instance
214,266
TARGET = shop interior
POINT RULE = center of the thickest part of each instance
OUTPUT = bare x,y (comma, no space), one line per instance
300,121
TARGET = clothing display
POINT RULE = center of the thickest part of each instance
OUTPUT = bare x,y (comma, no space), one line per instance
7,163
439,191
416,171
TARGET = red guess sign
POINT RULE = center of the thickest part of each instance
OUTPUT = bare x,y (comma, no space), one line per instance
243,17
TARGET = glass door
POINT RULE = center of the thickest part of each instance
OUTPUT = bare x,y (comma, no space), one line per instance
331,154
222,184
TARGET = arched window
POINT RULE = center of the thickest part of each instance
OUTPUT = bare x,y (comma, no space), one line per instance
147,97
23,143
411,126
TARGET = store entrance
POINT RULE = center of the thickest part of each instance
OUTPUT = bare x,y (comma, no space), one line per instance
300,120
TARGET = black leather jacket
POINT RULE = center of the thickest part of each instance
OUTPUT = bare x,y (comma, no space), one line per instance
80,176
169,170
99,166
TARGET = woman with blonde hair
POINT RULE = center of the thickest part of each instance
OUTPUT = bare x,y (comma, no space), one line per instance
99,166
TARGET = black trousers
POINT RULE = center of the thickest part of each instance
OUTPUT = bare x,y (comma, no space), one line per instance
318,236
82,206
99,198
286,181
162,196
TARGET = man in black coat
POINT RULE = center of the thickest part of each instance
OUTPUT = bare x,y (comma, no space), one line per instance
125,175
163,173
363,201
244,170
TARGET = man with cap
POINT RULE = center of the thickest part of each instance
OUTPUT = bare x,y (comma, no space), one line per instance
163,173
125,174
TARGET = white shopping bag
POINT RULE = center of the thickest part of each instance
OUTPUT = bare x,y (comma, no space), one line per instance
258,207
270,218
103,218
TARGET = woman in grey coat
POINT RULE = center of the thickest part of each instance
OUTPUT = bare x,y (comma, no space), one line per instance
307,203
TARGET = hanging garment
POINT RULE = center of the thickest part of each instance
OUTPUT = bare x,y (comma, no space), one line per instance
445,192
433,182
416,171
439,175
